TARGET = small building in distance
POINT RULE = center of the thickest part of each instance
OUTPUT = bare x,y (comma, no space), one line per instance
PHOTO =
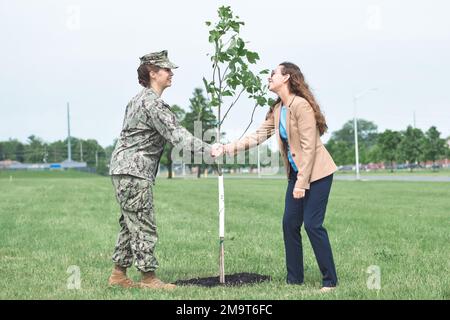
66,164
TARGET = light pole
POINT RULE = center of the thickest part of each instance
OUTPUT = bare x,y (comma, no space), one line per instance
355,125
259,164
69,147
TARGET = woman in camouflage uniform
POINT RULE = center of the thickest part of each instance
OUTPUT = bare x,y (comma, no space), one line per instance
147,126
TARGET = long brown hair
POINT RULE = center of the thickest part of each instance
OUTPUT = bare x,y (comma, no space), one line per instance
144,74
298,86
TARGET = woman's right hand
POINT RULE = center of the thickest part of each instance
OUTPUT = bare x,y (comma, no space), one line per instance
220,149
217,150
228,149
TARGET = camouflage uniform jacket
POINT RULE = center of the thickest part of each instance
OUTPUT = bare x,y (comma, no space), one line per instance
147,125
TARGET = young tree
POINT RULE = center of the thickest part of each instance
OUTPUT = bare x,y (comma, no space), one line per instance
231,77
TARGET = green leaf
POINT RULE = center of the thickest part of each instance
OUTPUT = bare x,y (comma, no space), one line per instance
233,81
208,23
223,56
252,57
205,82
225,12
261,101
235,26
215,102
240,47
232,52
214,36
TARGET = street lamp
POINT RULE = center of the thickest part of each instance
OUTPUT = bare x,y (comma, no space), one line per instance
259,164
355,125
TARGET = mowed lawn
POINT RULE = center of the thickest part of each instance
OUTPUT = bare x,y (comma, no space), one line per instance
51,221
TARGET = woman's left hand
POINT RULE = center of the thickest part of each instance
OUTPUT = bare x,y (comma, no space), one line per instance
298,193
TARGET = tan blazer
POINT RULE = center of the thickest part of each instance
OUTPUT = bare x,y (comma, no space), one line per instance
310,155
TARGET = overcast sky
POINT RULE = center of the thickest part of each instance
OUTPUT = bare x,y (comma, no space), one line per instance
86,52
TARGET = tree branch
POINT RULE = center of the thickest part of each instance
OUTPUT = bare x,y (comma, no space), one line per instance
231,106
224,76
251,121
220,100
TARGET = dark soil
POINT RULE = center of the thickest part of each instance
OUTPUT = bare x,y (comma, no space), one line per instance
237,279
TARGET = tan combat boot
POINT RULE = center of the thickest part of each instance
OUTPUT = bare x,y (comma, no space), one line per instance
119,278
150,281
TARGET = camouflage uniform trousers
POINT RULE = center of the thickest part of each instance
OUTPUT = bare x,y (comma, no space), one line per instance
137,237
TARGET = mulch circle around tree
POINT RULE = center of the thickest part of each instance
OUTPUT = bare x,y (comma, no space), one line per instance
235,280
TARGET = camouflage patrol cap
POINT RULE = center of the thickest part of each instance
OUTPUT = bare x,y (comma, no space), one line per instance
159,59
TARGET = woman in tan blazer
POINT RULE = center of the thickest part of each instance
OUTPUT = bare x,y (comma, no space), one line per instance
298,123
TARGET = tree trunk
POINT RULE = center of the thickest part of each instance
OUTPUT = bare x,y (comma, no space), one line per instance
169,163
199,172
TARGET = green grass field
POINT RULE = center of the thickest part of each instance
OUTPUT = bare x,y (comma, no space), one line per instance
50,221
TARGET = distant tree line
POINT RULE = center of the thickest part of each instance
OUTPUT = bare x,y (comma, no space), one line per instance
410,146
35,150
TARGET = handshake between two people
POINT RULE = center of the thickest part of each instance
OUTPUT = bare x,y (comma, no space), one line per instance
218,149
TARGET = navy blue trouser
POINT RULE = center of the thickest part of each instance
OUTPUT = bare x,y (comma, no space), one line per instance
309,211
